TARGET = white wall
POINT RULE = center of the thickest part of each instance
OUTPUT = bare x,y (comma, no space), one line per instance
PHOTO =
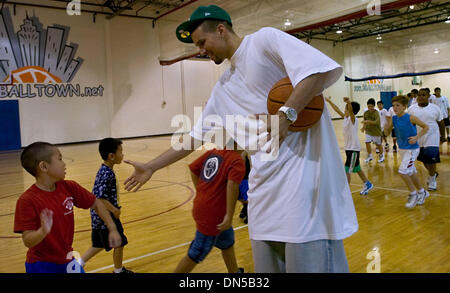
69,119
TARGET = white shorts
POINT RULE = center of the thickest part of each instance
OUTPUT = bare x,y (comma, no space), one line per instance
408,158
374,139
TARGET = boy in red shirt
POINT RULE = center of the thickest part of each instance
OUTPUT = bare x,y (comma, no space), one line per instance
44,212
216,176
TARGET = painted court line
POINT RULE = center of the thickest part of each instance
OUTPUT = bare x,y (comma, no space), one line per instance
401,190
152,253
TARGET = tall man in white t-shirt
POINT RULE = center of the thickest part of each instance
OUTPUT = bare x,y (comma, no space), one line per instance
429,143
300,205
442,103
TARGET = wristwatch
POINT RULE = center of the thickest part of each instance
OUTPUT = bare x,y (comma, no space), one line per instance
291,114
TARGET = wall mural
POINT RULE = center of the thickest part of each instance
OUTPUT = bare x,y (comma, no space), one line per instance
38,62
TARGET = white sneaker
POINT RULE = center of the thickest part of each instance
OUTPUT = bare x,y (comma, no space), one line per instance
381,159
369,158
421,196
412,201
432,184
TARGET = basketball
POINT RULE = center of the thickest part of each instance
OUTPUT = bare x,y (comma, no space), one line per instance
280,93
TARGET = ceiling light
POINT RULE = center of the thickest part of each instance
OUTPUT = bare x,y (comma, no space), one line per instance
287,22
436,51
448,20
411,6
339,31
379,37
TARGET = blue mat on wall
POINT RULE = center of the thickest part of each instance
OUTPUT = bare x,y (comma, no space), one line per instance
9,126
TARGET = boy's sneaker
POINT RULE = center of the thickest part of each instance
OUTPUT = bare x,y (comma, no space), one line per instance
377,151
422,196
386,147
432,184
243,213
381,159
240,271
412,201
124,271
369,158
394,148
367,187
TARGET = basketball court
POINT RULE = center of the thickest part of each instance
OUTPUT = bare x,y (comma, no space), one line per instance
158,218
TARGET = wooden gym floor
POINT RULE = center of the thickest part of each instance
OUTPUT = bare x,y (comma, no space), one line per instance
159,225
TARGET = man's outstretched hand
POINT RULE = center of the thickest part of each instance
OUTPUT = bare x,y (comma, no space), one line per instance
139,177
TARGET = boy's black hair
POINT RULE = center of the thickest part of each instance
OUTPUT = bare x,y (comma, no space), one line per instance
355,107
409,95
380,102
436,89
107,146
371,101
415,91
35,153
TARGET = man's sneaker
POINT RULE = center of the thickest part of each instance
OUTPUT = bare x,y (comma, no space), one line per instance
240,271
125,271
369,158
394,148
412,201
381,159
422,196
367,187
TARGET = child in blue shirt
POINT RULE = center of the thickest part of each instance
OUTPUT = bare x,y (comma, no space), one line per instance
407,136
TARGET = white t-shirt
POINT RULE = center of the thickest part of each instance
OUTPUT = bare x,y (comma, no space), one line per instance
429,115
383,113
442,103
390,112
351,139
303,195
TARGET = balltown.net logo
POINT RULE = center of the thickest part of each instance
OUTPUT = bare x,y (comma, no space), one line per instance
38,62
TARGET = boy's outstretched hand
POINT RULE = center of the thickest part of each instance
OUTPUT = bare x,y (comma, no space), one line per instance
139,177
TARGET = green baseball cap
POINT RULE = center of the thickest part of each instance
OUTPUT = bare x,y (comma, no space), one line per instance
200,14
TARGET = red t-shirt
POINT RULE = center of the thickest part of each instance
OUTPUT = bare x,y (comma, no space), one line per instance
214,169
58,243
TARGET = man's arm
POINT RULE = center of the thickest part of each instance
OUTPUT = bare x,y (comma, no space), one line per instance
232,196
144,171
300,97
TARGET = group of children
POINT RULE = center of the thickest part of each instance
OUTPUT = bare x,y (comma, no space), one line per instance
44,212
417,130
